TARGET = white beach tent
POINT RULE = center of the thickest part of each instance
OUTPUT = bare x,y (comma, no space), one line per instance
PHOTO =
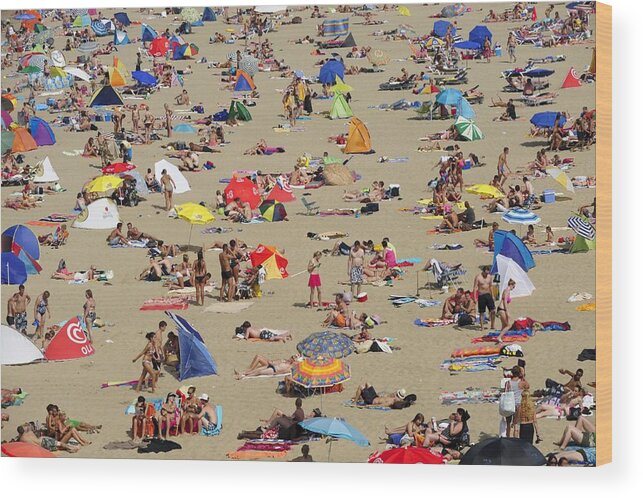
45,172
510,270
181,182
16,349
101,214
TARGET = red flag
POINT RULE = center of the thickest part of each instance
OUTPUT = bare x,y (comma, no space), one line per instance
534,14
571,80
70,342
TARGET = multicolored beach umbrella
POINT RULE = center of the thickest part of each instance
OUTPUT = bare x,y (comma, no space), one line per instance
249,64
521,216
468,129
326,344
273,262
320,372
272,210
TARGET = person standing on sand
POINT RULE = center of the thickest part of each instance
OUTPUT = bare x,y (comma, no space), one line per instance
227,277
511,47
40,308
158,340
168,186
168,120
356,267
503,166
200,269
135,116
89,312
148,354
482,289
148,123
314,280
17,310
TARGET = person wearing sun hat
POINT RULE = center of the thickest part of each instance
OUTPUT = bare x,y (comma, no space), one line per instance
208,417
367,395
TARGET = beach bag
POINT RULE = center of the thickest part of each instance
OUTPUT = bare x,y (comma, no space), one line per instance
465,319
574,413
507,404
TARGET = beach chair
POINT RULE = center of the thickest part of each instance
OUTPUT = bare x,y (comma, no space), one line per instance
311,207
445,275
407,84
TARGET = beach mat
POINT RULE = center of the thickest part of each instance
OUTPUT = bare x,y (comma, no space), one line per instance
229,308
351,404
165,303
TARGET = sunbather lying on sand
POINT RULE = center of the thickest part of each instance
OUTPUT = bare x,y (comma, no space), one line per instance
65,274
246,331
260,366
368,395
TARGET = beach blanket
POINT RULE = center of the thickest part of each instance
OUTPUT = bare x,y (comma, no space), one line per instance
338,212
470,396
490,337
253,221
119,383
478,364
255,455
264,445
38,223
165,303
393,160
360,404
446,247
233,307
14,399
59,218
433,322
190,290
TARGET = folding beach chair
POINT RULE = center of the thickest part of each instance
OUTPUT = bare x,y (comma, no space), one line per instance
446,275
311,207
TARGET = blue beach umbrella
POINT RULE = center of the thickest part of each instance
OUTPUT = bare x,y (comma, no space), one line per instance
334,427
99,28
547,119
467,45
521,216
450,96
327,344
538,73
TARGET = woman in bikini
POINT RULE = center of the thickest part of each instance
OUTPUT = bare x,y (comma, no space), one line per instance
147,354
200,270
168,186
503,307
89,312
41,307
170,414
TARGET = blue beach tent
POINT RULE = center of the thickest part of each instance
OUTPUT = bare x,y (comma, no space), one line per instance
13,269
148,33
510,246
123,18
208,15
196,360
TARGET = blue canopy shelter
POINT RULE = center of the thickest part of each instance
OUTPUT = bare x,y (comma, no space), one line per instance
330,70
441,28
479,34
23,243
538,73
144,78
41,131
13,269
208,15
105,95
123,18
148,33
547,119
196,360
510,246
120,37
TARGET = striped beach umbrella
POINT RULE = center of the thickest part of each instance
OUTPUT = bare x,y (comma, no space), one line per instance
249,64
320,372
88,47
520,216
34,59
272,210
582,227
272,261
468,129
99,28
327,344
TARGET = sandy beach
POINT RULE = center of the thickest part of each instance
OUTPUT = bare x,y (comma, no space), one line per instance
75,385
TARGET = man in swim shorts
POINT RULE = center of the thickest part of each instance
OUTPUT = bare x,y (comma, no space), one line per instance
482,288
356,267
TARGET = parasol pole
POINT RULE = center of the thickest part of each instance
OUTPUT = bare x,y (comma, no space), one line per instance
330,446
190,237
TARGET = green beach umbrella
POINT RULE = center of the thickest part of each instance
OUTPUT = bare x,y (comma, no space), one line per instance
7,141
468,129
29,70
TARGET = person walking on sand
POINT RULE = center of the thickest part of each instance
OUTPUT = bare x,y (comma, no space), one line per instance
148,354
40,308
17,310
168,186
503,307
511,47
89,312
314,280
168,120
482,289
356,267
148,123
200,269
503,166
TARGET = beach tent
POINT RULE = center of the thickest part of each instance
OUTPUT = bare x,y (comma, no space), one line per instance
141,186
243,188
359,139
340,108
69,343
349,42
148,33
208,15
509,245
159,46
41,131
180,181
6,121
581,244
510,270
244,82
122,18
239,111
82,21
329,72
105,95
116,77
479,34
441,28
45,172
14,271
120,37
23,243
196,360
22,141
335,27
7,140
15,348
102,214
572,80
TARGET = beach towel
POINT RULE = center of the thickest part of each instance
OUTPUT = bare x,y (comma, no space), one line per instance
265,445
164,303
427,303
255,455
586,307
470,396
253,221
119,383
360,404
446,247
490,337
38,223
232,307
433,322
190,290
215,230
393,160
338,212
14,399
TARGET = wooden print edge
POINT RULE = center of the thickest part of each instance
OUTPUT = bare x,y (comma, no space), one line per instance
604,233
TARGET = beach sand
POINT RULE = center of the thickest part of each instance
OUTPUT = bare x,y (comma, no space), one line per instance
75,385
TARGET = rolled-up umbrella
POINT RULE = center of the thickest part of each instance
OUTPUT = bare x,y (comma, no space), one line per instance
88,47
582,227
521,216
503,451
327,343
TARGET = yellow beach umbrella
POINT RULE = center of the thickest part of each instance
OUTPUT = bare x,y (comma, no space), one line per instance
104,183
560,176
485,190
404,11
194,214
340,86
57,71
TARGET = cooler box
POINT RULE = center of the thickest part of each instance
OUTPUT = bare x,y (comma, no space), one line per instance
549,196
107,116
467,164
498,51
